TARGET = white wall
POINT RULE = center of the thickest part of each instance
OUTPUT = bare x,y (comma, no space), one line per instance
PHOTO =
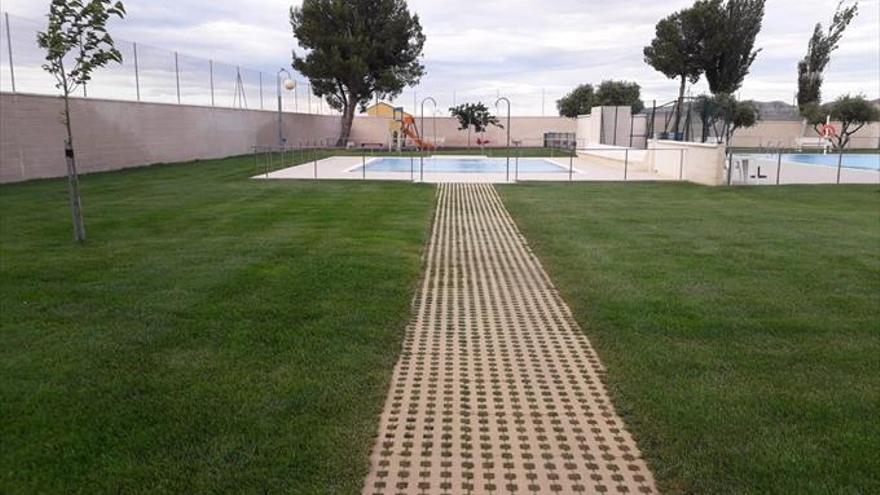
694,162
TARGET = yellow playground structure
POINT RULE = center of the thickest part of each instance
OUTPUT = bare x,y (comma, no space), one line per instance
402,129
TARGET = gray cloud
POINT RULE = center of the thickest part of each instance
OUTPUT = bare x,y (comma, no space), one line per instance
519,47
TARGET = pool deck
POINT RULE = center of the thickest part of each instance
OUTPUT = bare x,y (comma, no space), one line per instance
803,173
349,168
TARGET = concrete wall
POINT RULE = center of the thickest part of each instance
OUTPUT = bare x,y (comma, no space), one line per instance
110,135
616,156
769,133
694,162
595,129
528,130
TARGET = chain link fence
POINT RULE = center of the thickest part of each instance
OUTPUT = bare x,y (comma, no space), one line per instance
157,75
150,74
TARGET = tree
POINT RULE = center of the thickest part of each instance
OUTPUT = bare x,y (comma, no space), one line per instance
357,49
675,52
819,49
474,115
77,32
728,46
619,93
742,114
853,113
577,102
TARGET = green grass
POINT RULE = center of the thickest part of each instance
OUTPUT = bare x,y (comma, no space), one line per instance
215,334
740,327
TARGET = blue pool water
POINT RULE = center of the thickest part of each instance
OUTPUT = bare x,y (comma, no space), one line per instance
867,161
464,165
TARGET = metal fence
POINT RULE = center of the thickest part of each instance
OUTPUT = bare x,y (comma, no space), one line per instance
576,161
152,74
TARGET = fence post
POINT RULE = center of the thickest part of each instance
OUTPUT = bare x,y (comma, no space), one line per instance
9,48
778,166
363,163
614,136
729,167
632,121
211,71
681,164
625,163
137,78
261,89
839,164
412,173
516,164
177,76
570,166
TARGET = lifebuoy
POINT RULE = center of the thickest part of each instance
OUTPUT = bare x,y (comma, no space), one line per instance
828,130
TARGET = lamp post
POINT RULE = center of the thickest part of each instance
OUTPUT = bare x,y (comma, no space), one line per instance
288,84
507,172
422,125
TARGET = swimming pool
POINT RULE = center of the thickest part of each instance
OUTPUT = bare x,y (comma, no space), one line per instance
865,161
462,165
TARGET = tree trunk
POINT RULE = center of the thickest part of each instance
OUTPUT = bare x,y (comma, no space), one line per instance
469,136
79,229
679,104
345,128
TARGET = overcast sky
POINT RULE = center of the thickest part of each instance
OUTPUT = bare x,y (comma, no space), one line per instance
515,47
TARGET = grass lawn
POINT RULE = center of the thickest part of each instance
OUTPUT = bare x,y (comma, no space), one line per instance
215,334
740,327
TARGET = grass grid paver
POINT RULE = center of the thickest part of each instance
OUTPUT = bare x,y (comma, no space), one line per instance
497,389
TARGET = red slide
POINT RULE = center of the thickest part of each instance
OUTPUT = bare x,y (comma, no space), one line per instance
411,131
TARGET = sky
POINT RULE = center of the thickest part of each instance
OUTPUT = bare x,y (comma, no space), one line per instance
530,50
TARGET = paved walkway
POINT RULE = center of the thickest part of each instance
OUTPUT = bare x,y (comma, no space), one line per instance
497,389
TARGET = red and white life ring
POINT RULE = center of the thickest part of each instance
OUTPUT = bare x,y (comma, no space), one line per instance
828,131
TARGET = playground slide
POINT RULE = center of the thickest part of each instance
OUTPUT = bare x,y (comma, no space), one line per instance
411,131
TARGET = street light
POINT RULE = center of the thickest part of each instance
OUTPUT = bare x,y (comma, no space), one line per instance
288,84
507,173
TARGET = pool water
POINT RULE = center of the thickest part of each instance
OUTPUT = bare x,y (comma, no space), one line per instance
866,161
479,165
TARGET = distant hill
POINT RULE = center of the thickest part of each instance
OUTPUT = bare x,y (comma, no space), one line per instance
777,110
780,110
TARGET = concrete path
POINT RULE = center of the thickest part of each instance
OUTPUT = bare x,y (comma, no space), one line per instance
497,389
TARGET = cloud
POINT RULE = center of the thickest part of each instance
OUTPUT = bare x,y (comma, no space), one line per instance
532,50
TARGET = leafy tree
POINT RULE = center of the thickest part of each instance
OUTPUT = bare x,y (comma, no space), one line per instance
728,46
619,93
742,114
725,115
815,114
77,35
577,102
357,49
675,52
474,115
819,49
853,113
